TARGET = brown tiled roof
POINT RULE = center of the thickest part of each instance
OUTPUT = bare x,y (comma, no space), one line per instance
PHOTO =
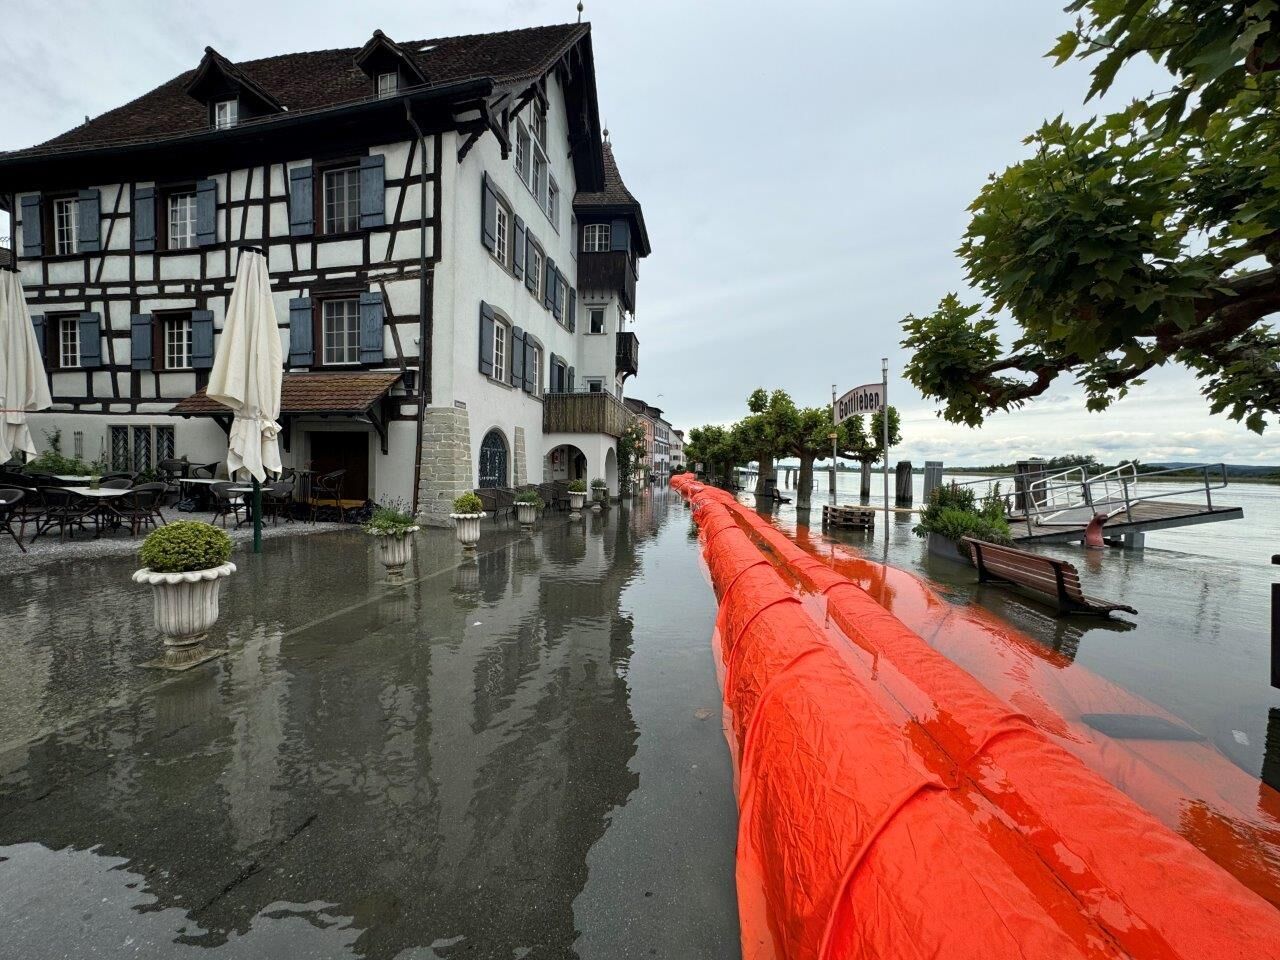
326,78
615,192
350,393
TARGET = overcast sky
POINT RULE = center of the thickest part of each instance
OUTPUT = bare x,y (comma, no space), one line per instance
804,170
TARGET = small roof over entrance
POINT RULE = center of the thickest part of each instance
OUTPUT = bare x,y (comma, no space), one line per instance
316,394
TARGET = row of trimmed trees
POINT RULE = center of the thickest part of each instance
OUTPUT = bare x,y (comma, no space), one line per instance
776,429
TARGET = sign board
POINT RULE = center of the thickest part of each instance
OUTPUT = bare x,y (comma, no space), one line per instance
868,398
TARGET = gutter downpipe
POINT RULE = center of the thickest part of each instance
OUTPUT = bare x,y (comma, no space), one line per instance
425,319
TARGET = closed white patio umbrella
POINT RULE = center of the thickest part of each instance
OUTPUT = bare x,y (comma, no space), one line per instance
23,384
247,370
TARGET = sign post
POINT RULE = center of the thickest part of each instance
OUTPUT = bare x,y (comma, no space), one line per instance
834,446
884,422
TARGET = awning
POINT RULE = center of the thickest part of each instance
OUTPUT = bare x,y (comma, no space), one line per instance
314,394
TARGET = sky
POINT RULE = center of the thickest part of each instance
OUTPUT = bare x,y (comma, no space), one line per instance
804,169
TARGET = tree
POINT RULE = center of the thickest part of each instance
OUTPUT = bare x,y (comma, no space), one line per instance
867,446
630,454
810,440
1127,242
716,448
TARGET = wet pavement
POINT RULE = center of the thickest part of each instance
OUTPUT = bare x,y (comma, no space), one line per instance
515,756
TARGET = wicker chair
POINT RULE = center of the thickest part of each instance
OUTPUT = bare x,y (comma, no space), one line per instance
10,497
276,500
327,489
64,509
227,502
139,507
206,471
30,509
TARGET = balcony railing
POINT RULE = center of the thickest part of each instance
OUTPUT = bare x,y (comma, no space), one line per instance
628,353
584,413
612,271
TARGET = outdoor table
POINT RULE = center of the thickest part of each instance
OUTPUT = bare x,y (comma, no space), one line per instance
102,494
70,477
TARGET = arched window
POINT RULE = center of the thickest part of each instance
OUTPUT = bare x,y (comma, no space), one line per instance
493,460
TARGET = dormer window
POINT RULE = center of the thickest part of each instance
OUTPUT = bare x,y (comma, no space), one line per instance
388,85
226,113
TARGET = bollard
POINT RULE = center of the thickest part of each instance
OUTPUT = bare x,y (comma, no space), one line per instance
905,493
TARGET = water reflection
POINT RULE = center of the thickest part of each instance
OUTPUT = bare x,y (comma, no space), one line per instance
420,767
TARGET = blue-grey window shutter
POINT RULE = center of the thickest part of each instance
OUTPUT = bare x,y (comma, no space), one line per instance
549,284
573,310
517,356
206,212
517,250
201,339
488,214
90,341
144,219
557,295
301,351
37,324
32,233
371,326
88,222
620,235
569,380
530,275
530,384
486,339
301,209
140,341
373,191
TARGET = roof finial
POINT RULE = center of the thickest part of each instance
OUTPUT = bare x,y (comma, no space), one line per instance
579,11
606,131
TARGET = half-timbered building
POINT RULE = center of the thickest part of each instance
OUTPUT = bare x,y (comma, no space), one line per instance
452,250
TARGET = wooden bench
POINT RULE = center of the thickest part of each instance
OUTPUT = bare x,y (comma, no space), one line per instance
1056,579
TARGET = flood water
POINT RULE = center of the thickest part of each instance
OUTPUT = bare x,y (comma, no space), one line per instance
515,756
1200,646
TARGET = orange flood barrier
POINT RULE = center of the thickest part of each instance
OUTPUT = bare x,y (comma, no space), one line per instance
890,806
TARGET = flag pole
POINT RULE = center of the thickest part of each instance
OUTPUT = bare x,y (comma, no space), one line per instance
257,515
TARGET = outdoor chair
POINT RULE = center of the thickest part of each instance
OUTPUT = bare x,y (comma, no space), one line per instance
226,502
328,489
30,509
139,507
206,471
10,497
170,472
65,510
277,500
117,483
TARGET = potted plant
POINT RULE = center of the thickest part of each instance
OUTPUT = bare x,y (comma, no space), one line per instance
577,494
468,511
955,512
392,525
599,491
528,505
184,563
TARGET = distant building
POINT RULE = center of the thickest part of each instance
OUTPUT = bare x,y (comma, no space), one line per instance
677,450
657,439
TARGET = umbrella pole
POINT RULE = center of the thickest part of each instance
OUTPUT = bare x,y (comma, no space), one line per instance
257,515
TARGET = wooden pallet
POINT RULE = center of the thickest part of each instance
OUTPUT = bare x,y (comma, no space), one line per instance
863,518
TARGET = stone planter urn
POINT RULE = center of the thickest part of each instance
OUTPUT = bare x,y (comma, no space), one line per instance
575,504
599,496
467,528
526,513
185,606
393,551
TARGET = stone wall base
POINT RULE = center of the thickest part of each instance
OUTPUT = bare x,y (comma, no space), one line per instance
446,463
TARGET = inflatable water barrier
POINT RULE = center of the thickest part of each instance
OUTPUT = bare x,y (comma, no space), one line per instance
891,806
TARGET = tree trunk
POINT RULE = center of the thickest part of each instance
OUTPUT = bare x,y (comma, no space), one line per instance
804,483
864,488
766,474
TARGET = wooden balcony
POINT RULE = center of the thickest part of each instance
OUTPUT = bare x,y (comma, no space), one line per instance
612,271
584,413
628,354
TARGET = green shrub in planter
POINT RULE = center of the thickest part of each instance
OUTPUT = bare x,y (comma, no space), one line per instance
598,483
469,502
185,545
530,496
577,486
955,512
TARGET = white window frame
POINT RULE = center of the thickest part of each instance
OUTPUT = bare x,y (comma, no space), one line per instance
182,227
594,384
591,317
535,262
226,114
66,226
501,337
552,205
388,84
348,221
176,342
538,120
68,343
537,370
522,153
538,183
348,333
595,234
502,234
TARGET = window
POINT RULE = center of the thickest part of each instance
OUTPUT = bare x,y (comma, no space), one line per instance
539,120
65,234
499,350
533,268
595,385
182,221
340,331
573,235
595,238
559,377
137,448
597,319
502,235
388,85
68,343
493,460
522,153
177,342
226,113
539,183
562,297
553,202
535,372
342,200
